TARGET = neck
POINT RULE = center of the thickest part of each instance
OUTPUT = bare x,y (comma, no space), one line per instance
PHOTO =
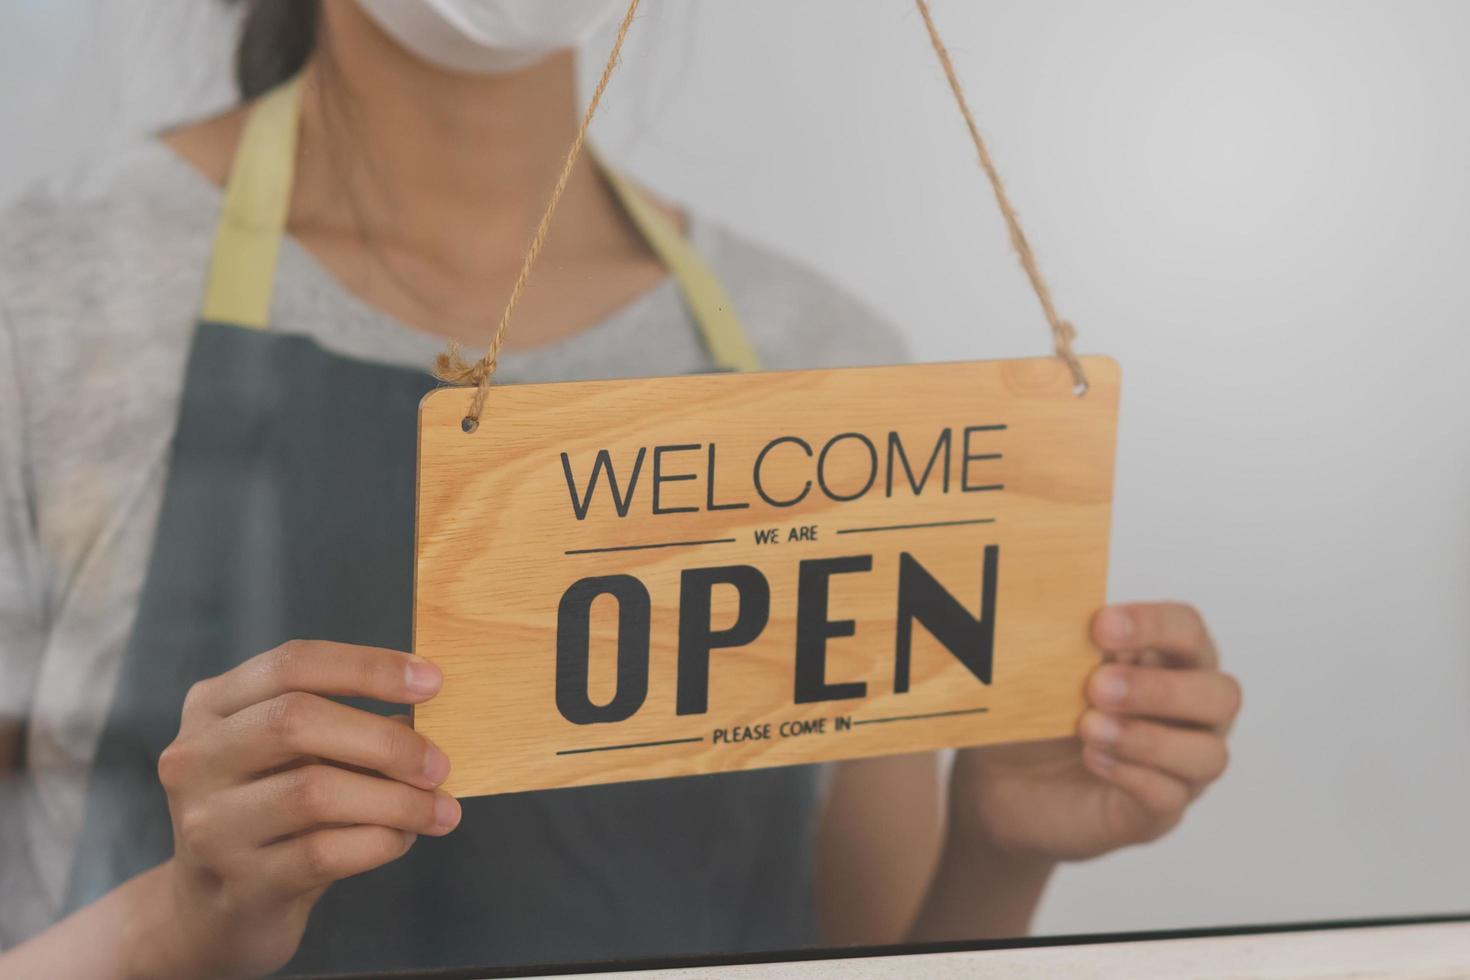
476,156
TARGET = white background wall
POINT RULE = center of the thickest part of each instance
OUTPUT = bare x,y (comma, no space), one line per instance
1260,208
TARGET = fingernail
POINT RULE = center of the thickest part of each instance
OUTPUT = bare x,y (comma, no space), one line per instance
1112,686
1115,626
422,677
446,812
1100,727
1099,759
436,766
408,838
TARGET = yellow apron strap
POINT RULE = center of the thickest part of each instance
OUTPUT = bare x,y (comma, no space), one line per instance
709,304
247,239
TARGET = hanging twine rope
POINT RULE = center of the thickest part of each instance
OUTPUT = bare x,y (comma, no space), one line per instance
1062,332
451,366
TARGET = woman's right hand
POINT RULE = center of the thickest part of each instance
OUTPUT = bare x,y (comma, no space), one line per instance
276,792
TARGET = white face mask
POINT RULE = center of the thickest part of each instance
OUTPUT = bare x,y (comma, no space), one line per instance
488,37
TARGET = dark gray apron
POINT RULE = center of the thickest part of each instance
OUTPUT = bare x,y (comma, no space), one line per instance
288,512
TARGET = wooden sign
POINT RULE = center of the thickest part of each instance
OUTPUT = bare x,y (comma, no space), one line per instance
639,579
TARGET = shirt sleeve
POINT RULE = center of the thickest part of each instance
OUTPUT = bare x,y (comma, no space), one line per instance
22,609
22,636
795,316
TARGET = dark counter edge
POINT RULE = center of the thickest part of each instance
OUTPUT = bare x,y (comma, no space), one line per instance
904,949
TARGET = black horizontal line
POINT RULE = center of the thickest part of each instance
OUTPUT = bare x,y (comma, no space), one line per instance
932,714
910,527
985,428
630,745
645,547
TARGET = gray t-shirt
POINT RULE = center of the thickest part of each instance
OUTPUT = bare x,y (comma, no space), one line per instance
101,276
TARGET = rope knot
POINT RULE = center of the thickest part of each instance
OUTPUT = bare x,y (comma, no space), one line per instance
451,368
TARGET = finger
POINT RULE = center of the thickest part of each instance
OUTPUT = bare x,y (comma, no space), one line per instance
270,734
1157,798
321,667
309,797
405,720
1173,629
1197,757
1195,697
324,856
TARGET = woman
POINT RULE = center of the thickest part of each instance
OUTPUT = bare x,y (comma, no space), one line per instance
179,496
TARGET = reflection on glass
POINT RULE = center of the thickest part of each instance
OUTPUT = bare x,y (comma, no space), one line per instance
207,447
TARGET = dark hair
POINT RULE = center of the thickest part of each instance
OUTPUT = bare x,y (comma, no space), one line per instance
276,40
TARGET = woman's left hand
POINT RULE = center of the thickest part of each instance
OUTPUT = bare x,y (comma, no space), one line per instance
1151,740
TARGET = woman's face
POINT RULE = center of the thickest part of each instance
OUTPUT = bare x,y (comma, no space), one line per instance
486,37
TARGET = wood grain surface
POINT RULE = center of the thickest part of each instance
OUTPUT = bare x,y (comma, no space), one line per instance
507,527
